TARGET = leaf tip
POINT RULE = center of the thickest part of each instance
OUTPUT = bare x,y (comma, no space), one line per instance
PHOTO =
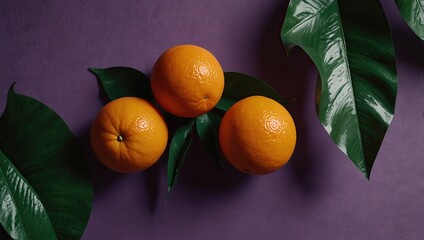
367,174
366,171
93,70
288,48
12,88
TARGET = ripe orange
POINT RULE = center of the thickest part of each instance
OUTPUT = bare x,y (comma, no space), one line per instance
128,135
187,81
257,135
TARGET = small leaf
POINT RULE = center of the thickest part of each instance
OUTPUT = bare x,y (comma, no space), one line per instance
23,216
46,154
349,41
239,86
123,81
178,150
208,129
412,12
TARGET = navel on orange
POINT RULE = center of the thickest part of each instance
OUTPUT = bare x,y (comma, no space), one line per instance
129,135
187,81
257,135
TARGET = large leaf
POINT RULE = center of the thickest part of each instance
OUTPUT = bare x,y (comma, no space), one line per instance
178,150
45,153
123,81
413,13
207,126
239,86
22,213
349,41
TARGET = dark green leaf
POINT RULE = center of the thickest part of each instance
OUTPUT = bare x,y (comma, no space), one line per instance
208,129
22,214
178,150
46,154
413,13
239,86
123,81
350,43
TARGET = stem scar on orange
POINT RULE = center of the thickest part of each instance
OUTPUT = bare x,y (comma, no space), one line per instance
257,135
187,81
129,135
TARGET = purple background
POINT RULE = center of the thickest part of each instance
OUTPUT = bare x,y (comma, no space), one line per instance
47,46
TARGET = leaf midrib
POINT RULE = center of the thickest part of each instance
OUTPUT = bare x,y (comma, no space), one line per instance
346,60
345,57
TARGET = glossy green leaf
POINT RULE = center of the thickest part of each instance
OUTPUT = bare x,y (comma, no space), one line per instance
22,214
349,41
412,12
207,126
178,150
46,154
239,86
123,81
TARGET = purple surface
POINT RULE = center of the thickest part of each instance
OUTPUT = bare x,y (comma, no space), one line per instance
47,46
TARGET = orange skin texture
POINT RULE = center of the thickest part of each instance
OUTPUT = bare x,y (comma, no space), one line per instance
187,81
257,135
129,135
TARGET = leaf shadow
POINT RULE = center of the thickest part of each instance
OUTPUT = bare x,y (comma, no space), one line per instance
4,235
152,180
408,46
102,177
202,175
293,75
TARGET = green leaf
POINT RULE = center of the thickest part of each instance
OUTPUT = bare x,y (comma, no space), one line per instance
23,215
239,86
46,154
208,129
349,41
123,81
178,149
412,12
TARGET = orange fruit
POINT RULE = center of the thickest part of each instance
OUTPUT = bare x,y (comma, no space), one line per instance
187,81
128,135
257,135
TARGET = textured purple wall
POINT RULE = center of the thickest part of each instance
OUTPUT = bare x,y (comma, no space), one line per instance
46,47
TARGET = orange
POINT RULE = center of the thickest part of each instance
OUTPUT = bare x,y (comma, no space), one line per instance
128,135
257,135
187,81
